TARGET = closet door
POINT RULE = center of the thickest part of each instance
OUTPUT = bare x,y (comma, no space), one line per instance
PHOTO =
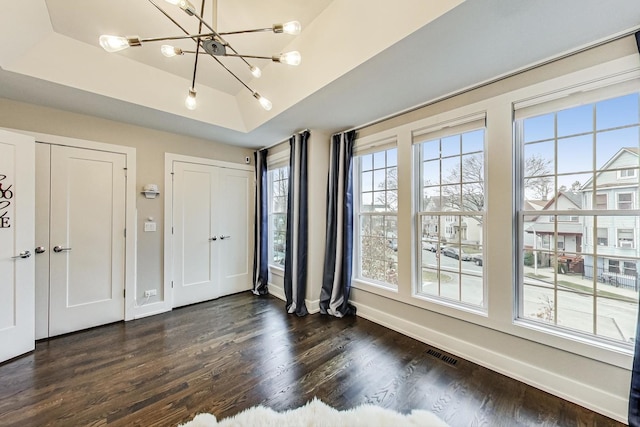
195,233
87,238
212,232
16,245
236,221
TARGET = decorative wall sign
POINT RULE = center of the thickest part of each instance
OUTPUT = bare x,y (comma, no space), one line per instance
6,194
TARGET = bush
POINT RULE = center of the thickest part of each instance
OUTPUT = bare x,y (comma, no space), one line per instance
528,258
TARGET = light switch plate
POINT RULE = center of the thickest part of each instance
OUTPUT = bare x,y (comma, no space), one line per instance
149,226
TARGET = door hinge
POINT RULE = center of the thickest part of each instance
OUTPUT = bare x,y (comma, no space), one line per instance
125,171
172,284
124,293
125,233
171,229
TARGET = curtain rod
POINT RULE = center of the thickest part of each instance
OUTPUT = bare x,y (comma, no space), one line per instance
566,54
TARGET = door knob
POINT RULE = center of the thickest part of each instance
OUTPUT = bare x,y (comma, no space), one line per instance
40,250
57,249
23,254
213,239
222,237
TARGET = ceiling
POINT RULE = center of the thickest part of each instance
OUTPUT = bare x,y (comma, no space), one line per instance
362,60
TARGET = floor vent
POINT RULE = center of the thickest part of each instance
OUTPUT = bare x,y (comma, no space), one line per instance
449,360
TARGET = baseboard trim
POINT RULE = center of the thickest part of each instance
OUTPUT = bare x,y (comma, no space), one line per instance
313,306
147,310
566,388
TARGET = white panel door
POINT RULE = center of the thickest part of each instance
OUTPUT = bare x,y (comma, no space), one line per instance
16,245
195,244
87,241
236,220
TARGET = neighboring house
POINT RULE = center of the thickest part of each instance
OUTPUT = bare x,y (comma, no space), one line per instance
452,227
616,237
541,229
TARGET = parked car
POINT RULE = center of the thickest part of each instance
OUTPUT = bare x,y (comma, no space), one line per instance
430,246
477,259
456,253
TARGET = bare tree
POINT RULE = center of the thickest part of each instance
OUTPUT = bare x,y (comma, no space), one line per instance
536,176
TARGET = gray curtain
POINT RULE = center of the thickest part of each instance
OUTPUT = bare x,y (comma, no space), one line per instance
338,258
295,261
261,227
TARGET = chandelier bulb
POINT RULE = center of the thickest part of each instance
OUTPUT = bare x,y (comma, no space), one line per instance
116,43
292,27
289,58
184,5
190,101
255,71
266,104
170,51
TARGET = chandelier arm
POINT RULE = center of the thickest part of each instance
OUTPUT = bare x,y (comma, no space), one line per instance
195,39
195,65
258,30
188,36
237,55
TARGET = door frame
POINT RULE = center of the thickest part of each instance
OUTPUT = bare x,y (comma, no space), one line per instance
130,204
169,158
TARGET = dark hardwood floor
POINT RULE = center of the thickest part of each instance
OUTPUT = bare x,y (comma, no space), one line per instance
227,355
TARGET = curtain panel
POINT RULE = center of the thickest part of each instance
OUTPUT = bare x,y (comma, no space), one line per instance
261,226
295,264
338,258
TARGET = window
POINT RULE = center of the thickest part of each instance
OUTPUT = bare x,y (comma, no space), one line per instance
603,237
625,238
377,231
601,201
577,286
627,173
278,193
625,201
450,183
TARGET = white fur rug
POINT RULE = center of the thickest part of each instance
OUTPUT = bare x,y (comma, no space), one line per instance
318,414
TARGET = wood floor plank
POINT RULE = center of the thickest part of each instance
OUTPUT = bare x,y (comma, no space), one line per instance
227,355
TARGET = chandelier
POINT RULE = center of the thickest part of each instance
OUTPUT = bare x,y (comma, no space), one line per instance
210,42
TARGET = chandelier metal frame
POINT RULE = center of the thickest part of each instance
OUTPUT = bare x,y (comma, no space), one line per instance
210,42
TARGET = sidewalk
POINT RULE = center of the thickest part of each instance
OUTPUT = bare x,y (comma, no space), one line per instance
576,278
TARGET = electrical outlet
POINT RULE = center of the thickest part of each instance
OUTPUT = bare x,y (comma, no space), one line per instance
150,293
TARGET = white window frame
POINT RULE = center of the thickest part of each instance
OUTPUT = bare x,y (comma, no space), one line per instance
630,202
624,173
439,131
365,147
605,88
274,161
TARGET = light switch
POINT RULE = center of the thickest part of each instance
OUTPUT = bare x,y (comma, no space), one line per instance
149,226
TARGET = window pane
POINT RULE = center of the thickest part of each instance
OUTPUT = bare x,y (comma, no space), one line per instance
610,148
575,120
616,112
539,128
450,146
575,154
473,141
